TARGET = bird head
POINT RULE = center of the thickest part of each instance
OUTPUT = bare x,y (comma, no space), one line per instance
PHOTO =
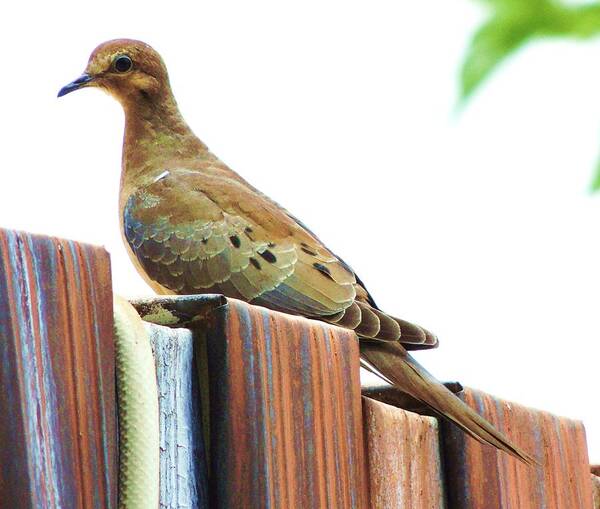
129,70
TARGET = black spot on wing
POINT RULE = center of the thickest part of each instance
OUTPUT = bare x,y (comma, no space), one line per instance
268,256
255,263
235,241
308,251
323,270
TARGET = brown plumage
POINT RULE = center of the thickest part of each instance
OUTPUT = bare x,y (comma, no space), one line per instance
192,225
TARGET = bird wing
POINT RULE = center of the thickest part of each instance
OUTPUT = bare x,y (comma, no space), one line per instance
198,233
193,234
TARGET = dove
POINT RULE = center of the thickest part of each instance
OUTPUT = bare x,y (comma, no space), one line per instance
192,225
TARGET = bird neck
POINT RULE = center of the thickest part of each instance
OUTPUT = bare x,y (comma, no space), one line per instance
155,133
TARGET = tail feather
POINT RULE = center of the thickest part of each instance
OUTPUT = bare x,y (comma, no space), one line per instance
372,323
397,366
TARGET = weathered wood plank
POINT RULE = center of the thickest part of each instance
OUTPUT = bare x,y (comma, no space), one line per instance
183,475
479,477
403,458
57,419
285,412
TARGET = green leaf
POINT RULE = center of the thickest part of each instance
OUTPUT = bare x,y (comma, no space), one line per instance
596,181
511,24
490,46
585,21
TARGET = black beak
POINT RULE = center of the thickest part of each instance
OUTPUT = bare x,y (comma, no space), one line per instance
80,82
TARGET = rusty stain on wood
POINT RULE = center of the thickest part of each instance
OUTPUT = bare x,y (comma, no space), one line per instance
403,458
479,477
285,412
57,425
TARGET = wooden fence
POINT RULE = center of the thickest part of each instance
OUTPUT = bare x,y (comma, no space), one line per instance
257,409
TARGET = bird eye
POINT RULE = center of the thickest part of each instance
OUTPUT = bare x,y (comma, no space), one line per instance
122,63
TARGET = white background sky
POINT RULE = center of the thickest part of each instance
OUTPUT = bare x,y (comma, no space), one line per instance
478,226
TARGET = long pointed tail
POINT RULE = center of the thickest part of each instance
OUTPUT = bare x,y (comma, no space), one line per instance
393,362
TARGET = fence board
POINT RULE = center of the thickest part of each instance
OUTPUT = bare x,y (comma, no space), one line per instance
183,475
479,477
403,458
286,427
57,424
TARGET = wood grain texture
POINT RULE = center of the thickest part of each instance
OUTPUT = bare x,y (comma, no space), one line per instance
403,458
183,473
57,424
286,427
478,477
